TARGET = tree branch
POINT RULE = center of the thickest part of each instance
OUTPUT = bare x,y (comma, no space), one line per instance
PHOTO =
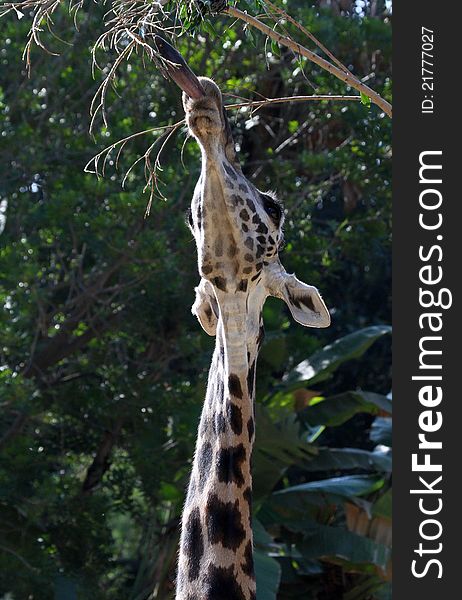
284,15
321,62
101,462
19,557
259,103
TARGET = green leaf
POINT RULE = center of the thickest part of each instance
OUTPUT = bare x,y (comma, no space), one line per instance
365,100
209,28
336,410
267,575
267,569
261,537
329,459
324,362
328,541
277,447
249,35
346,487
383,506
292,126
381,431
383,402
169,492
275,48
384,592
294,511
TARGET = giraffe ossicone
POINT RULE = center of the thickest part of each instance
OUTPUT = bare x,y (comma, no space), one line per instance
238,232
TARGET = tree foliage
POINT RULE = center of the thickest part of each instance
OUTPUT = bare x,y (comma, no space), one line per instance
102,366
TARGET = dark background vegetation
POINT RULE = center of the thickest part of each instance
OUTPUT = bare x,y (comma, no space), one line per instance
102,366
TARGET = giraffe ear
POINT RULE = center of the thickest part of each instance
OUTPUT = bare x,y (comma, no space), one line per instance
206,307
304,302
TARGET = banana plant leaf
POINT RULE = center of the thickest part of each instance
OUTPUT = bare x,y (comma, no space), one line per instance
267,569
337,487
279,510
336,410
277,447
261,538
326,541
323,363
355,552
329,459
267,575
383,506
384,592
381,431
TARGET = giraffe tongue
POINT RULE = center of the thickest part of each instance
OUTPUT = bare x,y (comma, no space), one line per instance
177,69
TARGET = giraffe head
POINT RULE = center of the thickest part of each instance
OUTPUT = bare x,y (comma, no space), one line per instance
237,228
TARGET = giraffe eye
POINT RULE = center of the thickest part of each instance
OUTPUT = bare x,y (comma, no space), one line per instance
272,208
273,212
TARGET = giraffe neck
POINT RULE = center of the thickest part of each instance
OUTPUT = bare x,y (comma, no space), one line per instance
215,560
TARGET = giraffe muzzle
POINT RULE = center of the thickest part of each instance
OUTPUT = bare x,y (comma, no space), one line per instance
176,68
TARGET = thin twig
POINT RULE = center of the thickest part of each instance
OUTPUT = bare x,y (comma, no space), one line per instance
19,557
93,165
95,160
309,35
321,62
102,90
311,98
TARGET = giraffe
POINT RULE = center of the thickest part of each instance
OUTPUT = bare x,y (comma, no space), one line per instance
238,231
